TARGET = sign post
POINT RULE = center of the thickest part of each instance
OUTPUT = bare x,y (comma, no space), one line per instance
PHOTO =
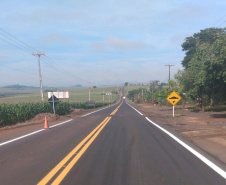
109,94
173,110
53,100
173,98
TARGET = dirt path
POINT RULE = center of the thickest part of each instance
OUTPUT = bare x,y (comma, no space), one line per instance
207,130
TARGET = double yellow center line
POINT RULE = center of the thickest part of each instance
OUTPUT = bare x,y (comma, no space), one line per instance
70,160
113,113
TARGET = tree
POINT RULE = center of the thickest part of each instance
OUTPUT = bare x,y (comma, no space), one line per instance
204,77
136,94
204,36
126,84
153,85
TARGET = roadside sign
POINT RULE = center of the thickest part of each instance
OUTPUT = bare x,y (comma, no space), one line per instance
90,103
64,94
108,93
174,98
53,100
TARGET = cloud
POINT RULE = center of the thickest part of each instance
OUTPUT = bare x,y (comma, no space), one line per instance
177,39
57,38
181,14
117,43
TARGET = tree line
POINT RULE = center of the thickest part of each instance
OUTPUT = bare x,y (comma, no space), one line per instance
203,79
204,76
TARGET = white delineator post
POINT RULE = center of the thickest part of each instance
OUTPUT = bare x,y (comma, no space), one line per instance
173,110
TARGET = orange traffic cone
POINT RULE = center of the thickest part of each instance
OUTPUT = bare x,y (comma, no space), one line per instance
46,123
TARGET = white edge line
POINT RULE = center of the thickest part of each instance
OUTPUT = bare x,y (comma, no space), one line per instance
32,133
200,156
135,109
98,110
60,123
4,143
93,112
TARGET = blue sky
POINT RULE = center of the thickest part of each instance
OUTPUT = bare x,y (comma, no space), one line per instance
100,42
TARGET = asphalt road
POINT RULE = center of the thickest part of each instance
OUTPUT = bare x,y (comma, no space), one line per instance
114,146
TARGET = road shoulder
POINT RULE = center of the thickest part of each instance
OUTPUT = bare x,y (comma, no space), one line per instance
206,130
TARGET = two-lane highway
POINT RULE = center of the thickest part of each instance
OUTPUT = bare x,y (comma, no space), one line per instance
114,146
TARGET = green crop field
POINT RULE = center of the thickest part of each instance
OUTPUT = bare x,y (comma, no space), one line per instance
133,87
75,95
23,105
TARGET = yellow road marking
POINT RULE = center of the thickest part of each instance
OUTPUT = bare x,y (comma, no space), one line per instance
67,158
113,113
76,158
91,137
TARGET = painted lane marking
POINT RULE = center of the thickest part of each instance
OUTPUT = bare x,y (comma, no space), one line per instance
32,133
61,164
93,112
99,110
200,156
21,137
114,112
78,151
60,123
197,154
66,170
135,109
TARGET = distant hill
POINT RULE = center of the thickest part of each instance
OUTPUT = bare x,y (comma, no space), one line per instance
17,86
78,85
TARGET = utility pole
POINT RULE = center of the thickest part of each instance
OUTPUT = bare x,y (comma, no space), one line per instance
89,93
40,75
169,69
142,95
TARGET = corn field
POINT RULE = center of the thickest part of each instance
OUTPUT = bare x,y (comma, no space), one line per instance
15,113
20,112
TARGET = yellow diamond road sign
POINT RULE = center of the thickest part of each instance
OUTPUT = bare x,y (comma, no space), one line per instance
174,98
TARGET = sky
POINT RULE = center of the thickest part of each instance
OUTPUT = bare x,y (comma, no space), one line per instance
99,42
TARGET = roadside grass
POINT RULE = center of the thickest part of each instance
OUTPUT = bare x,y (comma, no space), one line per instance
169,116
133,87
79,95
95,95
217,108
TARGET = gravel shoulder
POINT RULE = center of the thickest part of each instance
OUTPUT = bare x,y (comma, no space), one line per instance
207,130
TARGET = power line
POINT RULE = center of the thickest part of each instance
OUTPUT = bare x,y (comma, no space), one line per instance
219,20
222,23
24,44
32,74
14,45
64,71
23,71
28,49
